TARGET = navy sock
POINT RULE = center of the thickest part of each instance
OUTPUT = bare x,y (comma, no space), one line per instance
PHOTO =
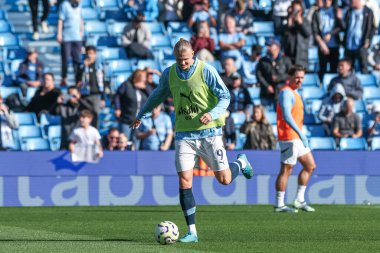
186,198
235,168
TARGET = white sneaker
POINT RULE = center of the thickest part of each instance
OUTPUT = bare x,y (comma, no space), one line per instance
303,206
44,27
285,209
36,36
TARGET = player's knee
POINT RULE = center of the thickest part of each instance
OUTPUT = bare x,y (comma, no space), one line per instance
185,183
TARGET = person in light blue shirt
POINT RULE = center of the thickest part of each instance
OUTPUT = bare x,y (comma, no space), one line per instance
69,35
200,98
156,132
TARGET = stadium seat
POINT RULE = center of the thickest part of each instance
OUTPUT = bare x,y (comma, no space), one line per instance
5,27
117,66
118,79
367,80
115,15
327,79
254,92
315,130
30,92
49,119
375,143
86,3
352,144
263,28
93,27
54,135
311,92
160,41
240,140
6,91
89,14
217,65
238,118
272,117
322,143
26,118
107,41
155,27
8,40
311,80
371,93
3,15
314,106
250,40
313,59
25,132
360,106
178,27
115,28
175,37
166,63
108,4
36,144
109,54
141,64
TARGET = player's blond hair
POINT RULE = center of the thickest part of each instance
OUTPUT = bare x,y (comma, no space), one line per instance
181,46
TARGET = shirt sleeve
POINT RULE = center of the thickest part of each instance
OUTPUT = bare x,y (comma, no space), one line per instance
218,88
158,95
62,11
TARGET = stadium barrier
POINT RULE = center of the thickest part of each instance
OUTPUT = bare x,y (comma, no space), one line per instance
149,178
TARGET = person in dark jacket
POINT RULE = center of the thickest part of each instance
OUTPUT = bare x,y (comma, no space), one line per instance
69,108
30,71
240,98
129,98
359,29
326,25
45,97
297,33
350,82
271,73
229,133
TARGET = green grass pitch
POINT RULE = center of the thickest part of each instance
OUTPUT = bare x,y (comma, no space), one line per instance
251,228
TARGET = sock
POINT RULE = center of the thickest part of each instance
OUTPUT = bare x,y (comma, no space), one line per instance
301,193
280,199
235,168
186,198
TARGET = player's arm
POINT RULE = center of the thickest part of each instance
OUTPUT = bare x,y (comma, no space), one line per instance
286,102
219,89
157,97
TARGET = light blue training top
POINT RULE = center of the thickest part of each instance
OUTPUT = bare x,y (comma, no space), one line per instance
72,19
214,82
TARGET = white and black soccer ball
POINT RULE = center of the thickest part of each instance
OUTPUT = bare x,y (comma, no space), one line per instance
166,232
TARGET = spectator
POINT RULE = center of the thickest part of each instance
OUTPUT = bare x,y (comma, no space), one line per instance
124,144
110,142
151,85
229,69
69,108
259,131
374,124
86,135
280,15
250,69
374,60
243,17
90,83
69,35
231,42
171,10
30,71
331,106
240,98
148,8
201,12
33,5
347,124
156,132
7,123
296,37
373,5
229,132
326,26
188,8
129,98
224,7
351,83
136,38
272,73
359,29
45,97
203,45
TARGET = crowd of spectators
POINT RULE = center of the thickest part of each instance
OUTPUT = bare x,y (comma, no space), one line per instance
325,25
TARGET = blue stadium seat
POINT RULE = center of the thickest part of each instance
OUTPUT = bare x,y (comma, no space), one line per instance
26,118
30,92
25,132
3,15
315,130
160,41
327,79
93,27
89,14
367,80
108,4
263,28
155,27
115,28
141,64
36,144
352,144
166,63
118,79
217,65
248,77
272,117
6,91
238,118
314,106
313,59
176,36
254,92
5,27
54,135
107,41
86,3
240,140
311,80
117,66
360,106
178,27
375,143
108,54
371,93
49,119
322,143
115,15
311,92
8,40
250,40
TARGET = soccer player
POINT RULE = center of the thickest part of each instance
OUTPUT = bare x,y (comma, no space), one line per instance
200,99
293,143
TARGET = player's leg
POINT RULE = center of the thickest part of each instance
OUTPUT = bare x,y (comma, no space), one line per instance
185,157
308,166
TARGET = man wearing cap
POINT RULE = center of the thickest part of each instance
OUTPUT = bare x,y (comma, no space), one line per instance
272,72
30,71
240,98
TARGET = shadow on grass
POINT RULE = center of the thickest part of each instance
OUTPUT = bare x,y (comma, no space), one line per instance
64,240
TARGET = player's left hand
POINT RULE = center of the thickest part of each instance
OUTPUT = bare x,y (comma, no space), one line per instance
304,141
206,118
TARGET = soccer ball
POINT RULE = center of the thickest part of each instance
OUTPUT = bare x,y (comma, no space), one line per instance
166,232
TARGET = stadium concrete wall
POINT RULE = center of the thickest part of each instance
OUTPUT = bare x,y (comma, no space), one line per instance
149,178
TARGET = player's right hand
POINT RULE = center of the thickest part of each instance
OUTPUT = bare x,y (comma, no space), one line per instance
304,141
135,124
